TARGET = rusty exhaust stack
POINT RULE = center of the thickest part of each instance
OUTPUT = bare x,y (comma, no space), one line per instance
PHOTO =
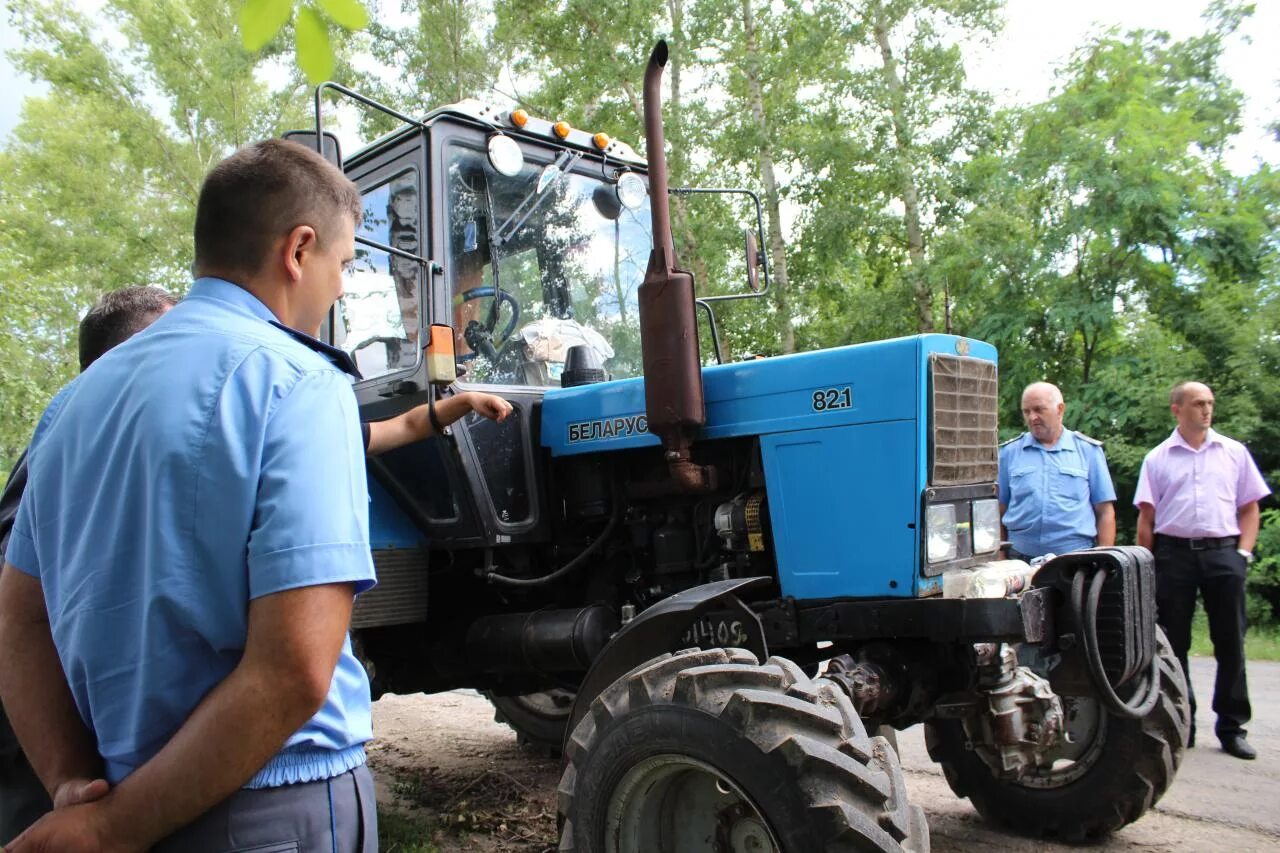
668,321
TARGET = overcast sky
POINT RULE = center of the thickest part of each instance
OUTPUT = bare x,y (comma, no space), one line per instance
1019,65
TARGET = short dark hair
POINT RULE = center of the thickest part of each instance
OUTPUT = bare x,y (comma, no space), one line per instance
118,316
258,194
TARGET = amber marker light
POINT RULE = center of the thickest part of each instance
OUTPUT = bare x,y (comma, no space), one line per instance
562,129
601,140
519,118
442,367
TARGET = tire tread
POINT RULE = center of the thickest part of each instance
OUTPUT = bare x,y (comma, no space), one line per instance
853,783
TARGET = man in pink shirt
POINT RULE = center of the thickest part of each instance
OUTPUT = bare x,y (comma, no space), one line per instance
1197,505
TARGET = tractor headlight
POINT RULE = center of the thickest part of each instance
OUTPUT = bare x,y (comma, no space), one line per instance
940,532
986,526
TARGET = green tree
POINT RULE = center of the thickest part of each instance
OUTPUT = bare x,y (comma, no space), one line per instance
100,178
1109,250
881,180
446,55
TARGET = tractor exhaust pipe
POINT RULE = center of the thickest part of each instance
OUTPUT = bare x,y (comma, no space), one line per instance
668,320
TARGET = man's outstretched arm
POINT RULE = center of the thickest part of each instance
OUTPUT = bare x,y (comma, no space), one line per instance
415,424
294,639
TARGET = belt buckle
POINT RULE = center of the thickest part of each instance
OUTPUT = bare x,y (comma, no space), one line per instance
1196,544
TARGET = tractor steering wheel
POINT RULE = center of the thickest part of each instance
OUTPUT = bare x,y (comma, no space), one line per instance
491,321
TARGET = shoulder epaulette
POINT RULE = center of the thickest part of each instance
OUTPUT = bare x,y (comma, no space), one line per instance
340,358
1017,437
1087,438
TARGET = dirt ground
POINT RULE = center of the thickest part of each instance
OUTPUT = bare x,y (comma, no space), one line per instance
460,783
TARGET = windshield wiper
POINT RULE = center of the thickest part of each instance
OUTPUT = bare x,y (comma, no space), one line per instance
550,175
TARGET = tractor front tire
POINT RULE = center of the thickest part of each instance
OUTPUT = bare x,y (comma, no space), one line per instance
706,750
1118,769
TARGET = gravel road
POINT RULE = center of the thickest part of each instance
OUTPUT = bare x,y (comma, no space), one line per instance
443,763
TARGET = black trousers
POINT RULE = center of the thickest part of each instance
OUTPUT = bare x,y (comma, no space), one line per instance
1218,574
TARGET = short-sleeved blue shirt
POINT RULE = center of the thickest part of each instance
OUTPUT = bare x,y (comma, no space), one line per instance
1050,493
207,461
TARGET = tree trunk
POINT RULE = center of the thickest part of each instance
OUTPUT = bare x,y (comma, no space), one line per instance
910,198
777,250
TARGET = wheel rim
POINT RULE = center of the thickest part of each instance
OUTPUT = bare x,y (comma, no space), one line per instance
1086,726
674,804
554,704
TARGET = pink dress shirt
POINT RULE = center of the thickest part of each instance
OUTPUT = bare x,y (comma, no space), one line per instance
1196,493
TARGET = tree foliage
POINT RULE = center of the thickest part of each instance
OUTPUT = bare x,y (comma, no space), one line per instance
262,20
1096,237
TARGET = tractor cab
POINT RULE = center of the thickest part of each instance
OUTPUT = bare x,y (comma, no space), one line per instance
526,238
505,241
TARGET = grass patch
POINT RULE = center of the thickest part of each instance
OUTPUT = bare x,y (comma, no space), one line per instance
399,833
1260,643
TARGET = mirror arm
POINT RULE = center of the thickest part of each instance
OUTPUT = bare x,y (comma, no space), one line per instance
764,253
711,323
358,98
432,266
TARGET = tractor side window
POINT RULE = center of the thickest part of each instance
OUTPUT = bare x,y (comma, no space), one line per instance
541,261
378,313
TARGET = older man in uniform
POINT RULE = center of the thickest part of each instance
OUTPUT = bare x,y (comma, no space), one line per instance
1055,490
1197,505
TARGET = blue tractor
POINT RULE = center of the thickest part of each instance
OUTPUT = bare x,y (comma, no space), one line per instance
720,588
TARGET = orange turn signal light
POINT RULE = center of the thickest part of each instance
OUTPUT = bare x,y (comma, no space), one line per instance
442,367
519,118
562,129
601,140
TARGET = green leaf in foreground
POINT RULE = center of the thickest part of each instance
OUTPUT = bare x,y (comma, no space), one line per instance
260,20
315,54
348,14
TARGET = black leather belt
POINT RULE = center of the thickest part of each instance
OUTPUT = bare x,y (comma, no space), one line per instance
1201,544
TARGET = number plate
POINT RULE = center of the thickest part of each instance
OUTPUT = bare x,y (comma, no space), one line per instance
711,631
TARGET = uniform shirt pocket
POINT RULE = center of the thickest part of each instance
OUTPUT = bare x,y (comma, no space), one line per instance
1071,487
1024,500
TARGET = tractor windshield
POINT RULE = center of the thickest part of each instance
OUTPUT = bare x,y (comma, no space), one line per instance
541,261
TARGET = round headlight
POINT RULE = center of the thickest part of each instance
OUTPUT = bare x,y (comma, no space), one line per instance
631,190
505,155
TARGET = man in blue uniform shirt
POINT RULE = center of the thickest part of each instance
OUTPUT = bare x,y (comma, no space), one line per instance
177,590
1055,490
113,319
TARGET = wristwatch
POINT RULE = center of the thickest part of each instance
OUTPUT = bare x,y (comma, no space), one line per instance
1248,555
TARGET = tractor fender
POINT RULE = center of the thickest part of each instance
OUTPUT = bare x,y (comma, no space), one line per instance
658,630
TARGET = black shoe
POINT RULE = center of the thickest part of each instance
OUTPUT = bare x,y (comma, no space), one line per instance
1239,747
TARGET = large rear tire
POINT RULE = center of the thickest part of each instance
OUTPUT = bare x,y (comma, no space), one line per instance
1117,769
538,719
710,750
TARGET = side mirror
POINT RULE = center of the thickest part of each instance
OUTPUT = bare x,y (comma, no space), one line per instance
331,152
753,259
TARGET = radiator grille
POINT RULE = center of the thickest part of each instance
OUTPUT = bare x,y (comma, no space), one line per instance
963,420
401,594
